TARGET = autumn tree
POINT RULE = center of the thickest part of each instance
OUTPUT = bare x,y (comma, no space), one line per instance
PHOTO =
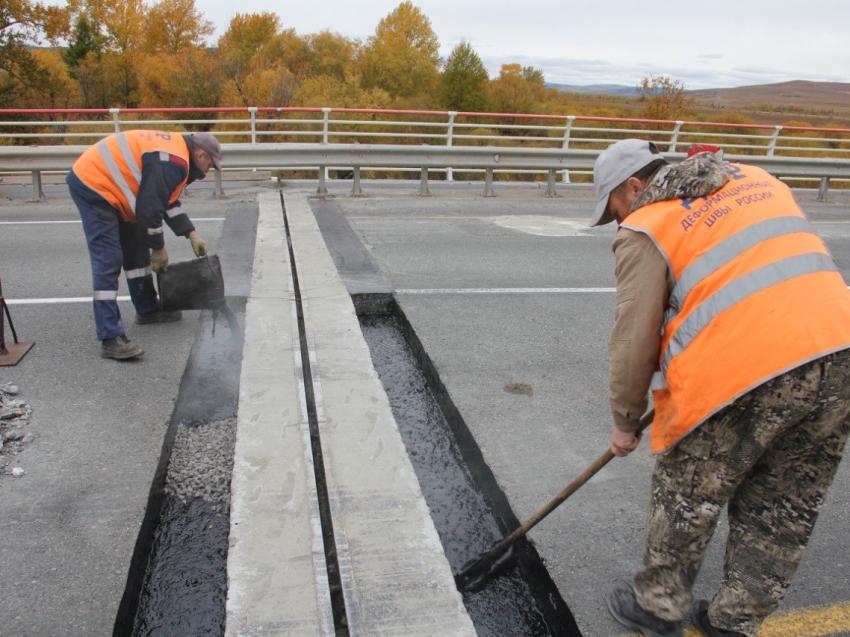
111,77
85,40
402,57
24,24
251,55
326,53
518,89
176,26
57,90
663,98
190,79
464,83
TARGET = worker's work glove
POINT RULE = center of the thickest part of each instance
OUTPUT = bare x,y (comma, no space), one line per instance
159,260
199,246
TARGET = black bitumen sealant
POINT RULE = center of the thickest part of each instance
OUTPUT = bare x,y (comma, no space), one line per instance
177,580
208,395
469,509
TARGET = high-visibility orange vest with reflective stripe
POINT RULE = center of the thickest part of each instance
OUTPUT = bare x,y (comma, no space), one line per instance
756,294
113,166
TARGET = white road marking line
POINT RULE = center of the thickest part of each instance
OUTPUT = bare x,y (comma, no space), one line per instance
506,291
70,299
36,223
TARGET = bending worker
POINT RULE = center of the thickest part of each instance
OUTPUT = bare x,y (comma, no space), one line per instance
125,186
731,310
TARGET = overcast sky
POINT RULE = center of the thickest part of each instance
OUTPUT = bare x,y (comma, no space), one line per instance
703,44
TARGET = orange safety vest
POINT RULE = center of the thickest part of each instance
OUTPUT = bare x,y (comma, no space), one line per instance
113,166
756,294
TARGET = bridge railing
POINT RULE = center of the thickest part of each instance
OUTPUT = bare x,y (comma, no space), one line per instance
499,134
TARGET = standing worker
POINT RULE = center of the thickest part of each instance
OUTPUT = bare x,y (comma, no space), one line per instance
124,187
730,309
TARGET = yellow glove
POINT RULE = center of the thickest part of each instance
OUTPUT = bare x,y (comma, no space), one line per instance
199,246
159,260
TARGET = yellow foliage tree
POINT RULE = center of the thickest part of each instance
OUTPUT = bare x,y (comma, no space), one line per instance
251,54
326,54
664,98
325,90
176,26
23,24
57,90
402,58
183,80
518,89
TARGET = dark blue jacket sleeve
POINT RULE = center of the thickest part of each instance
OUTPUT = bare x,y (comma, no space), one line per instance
159,179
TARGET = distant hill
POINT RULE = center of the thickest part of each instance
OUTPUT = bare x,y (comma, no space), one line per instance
597,89
794,95
799,94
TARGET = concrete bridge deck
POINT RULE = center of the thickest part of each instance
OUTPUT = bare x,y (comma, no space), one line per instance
503,292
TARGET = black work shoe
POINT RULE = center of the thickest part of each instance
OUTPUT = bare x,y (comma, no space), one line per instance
120,348
699,618
625,608
159,316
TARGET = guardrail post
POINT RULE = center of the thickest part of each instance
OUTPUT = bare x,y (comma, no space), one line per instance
326,112
115,121
449,136
823,191
567,130
550,187
219,191
423,184
252,111
674,137
772,146
323,189
488,183
37,192
355,187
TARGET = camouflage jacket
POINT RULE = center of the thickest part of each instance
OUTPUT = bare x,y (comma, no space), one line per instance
697,176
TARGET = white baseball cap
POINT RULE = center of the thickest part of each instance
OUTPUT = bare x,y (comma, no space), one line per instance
614,165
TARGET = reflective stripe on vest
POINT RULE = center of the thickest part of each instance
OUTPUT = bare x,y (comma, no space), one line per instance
728,250
115,172
113,166
756,293
738,290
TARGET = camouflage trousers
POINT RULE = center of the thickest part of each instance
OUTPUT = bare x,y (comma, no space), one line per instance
770,458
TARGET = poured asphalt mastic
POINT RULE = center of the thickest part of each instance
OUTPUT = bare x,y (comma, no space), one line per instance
522,600
186,583
178,579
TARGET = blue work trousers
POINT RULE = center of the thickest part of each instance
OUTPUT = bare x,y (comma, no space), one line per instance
115,243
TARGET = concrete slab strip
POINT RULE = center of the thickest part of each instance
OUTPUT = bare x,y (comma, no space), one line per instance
277,578
395,576
396,579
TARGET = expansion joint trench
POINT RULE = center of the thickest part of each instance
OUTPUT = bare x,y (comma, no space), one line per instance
334,577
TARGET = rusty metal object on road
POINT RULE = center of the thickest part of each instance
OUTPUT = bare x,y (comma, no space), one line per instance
10,353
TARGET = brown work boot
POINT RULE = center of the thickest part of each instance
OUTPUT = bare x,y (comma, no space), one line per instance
120,348
159,316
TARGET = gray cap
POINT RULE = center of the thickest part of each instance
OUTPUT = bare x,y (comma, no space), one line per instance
209,144
614,165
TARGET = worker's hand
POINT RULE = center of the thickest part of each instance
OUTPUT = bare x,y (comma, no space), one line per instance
623,443
198,245
159,260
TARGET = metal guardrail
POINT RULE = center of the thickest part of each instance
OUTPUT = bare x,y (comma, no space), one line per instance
419,141
422,158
